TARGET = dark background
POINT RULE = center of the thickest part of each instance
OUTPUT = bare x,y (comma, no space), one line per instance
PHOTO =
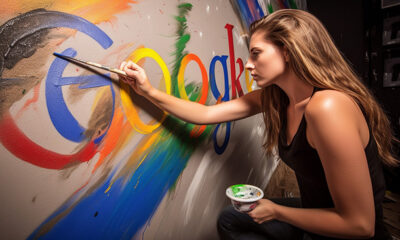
358,27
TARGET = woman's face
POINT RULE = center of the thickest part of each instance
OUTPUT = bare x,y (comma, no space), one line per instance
267,62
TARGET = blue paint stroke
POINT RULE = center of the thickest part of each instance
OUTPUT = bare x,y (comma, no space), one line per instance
248,11
214,89
221,149
259,10
286,3
86,81
126,207
61,117
245,11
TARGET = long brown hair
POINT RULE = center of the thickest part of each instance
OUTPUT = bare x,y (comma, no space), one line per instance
315,59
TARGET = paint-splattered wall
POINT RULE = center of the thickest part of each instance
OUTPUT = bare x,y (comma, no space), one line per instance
83,157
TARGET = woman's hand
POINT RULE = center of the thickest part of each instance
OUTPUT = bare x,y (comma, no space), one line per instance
136,78
265,211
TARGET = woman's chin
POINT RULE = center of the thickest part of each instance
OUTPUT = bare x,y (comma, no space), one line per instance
262,83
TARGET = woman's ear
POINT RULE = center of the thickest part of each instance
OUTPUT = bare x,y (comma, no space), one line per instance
285,54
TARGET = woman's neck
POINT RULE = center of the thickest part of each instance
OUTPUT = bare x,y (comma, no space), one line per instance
296,89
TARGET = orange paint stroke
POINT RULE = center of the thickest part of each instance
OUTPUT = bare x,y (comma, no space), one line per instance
95,11
204,77
219,100
111,138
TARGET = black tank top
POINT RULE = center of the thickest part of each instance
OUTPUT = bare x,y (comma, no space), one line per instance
304,160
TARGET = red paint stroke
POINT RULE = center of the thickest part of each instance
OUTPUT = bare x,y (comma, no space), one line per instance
80,188
15,141
197,131
234,81
30,101
281,4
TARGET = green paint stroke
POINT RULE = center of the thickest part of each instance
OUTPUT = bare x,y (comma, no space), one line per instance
175,137
180,127
293,4
270,8
183,38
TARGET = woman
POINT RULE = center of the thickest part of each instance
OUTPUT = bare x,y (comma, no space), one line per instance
325,123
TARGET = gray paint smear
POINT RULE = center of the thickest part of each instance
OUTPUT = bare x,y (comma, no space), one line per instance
21,36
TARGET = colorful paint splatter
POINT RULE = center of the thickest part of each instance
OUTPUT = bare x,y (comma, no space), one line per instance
116,156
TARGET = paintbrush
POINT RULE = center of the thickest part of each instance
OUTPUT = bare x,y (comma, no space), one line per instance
92,64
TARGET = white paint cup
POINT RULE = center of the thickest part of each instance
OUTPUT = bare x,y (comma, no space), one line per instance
244,197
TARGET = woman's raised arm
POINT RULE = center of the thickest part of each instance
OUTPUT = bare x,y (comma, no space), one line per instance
188,111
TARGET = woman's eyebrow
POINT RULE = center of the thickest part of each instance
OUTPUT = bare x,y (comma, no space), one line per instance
254,49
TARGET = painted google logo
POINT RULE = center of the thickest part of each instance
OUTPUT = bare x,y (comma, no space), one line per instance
66,124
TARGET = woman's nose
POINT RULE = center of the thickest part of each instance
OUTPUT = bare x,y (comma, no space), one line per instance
249,65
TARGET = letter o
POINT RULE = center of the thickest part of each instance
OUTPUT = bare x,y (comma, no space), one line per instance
181,83
131,113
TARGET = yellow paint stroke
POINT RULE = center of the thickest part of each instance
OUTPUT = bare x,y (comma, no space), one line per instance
95,11
137,182
248,84
108,189
130,110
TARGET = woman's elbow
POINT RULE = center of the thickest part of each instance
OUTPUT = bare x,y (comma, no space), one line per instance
369,231
365,229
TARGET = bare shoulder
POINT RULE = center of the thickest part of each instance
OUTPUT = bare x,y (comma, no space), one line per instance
331,113
331,102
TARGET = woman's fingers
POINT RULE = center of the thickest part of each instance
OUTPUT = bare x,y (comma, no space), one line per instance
260,220
130,69
136,77
132,65
127,68
121,67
